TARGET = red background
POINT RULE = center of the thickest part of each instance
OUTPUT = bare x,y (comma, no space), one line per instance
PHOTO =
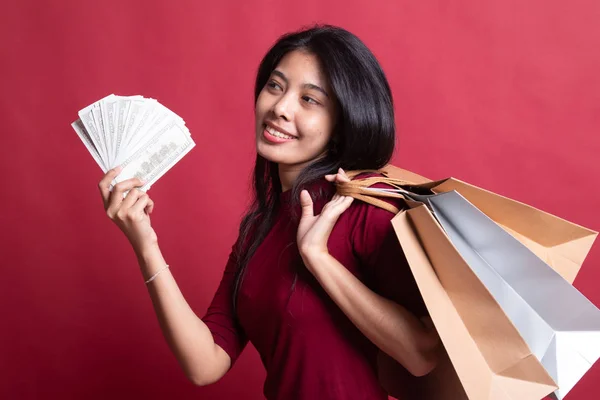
504,94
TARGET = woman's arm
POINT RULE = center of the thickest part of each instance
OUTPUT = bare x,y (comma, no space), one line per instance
188,337
391,327
387,324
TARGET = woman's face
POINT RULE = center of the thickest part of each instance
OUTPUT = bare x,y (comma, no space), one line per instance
295,112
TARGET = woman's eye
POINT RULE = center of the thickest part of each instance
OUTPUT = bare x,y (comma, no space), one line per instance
273,85
310,100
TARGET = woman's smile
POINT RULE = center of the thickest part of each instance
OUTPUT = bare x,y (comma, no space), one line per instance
275,136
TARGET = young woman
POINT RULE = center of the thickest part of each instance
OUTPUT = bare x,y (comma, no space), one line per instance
317,282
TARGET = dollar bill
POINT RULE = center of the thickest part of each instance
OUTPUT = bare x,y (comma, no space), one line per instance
89,144
108,112
87,119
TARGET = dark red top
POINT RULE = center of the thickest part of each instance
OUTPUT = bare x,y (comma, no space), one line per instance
310,349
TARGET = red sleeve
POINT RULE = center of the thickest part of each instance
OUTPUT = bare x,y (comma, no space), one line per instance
220,317
386,269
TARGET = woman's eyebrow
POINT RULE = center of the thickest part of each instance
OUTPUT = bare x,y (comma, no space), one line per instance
306,85
315,87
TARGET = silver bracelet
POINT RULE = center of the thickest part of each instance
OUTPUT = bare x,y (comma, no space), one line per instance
156,274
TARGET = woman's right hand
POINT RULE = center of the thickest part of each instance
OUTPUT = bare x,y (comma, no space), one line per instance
132,213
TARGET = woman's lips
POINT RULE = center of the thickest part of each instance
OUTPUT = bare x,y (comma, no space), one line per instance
275,139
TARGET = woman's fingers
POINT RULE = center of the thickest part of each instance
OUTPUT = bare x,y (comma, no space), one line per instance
131,198
104,184
137,210
347,202
336,207
331,203
116,197
339,177
149,207
331,213
307,204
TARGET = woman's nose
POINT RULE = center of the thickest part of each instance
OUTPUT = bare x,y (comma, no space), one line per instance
283,108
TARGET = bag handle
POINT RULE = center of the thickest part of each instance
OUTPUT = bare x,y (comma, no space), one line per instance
358,188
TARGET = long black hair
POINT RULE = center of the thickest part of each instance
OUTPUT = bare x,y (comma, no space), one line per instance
363,137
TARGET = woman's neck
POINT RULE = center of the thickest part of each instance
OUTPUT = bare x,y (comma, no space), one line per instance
288,175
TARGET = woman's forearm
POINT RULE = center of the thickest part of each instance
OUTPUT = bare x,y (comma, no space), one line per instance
391,327
187,335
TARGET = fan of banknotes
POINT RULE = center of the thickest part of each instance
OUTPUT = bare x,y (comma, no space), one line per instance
137,133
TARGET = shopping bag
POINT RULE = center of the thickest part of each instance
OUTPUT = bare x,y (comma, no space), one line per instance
490,358
561,244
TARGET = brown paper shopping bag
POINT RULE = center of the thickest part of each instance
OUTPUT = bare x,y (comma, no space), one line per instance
489,356
561,244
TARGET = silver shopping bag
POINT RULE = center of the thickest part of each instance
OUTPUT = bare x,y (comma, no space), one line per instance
560,325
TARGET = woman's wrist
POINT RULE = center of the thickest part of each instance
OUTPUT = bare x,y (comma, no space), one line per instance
314,258
148,253
150,260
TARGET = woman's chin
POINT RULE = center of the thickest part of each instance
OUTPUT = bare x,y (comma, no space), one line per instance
267,153
271,153
284,156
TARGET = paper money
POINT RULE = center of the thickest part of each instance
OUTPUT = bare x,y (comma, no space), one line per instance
139,134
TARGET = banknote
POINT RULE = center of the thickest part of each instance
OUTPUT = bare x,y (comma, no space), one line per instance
89,144
107,109
87,119
141,135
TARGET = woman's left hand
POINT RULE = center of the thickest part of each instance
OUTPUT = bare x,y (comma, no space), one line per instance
314,230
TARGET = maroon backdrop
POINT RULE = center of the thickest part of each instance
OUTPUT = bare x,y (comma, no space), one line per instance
504,94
